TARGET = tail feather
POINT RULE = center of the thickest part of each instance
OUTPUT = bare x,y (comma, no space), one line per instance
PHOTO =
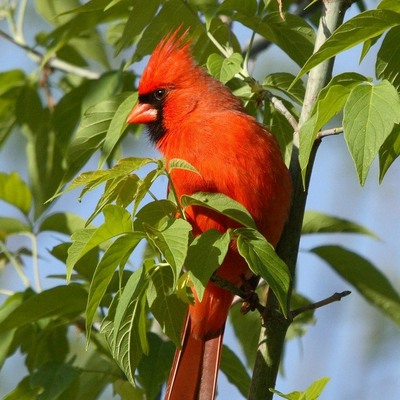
195,368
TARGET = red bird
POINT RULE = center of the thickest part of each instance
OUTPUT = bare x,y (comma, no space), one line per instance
192,116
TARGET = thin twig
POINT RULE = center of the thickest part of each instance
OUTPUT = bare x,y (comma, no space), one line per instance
280,107
319,304
54,62
329,132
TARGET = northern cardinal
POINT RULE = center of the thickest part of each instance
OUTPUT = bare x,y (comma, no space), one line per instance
192,116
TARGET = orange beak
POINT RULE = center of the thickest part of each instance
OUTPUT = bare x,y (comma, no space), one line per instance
142,113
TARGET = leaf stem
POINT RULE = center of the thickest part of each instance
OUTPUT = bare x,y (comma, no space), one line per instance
15,264
35,260
20,21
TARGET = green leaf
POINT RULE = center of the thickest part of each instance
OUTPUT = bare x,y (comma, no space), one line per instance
223,68
23,391
222,204
53,378
292,34
172,242
358,29
366,278
14,191
165,305
177,163
313,392
55,302
141,13
121,169
263,261
116,255
282,81
6,338
117,127
280,126
393,5
369,117
155,214
125,325
247,330
63,222
156,365
388,59
330,102
205,254
316,222
117,221
12,226
11,84
389,151
81,29
235,371
94,126
50,344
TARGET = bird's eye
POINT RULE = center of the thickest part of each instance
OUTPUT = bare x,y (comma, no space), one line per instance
159,94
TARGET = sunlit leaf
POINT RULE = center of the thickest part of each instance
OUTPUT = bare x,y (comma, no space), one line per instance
263,261
358,29
313,392
12,226
330,102
205,254
172,242
282,81
117,127
155,214
222,204
15,191
177,163
117,221
116,255
224,69
165,305
63,222
125,326
369,116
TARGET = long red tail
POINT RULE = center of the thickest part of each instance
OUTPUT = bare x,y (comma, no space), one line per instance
195,368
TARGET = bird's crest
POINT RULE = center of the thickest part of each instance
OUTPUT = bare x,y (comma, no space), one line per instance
169,63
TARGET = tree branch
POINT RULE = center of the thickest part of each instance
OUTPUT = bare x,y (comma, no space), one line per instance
272,335
319,304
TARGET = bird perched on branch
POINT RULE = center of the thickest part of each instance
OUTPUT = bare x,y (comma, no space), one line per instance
192,116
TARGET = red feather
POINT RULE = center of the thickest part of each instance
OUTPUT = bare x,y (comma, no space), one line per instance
194,117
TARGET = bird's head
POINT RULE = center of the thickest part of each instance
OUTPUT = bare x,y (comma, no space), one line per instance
170,69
